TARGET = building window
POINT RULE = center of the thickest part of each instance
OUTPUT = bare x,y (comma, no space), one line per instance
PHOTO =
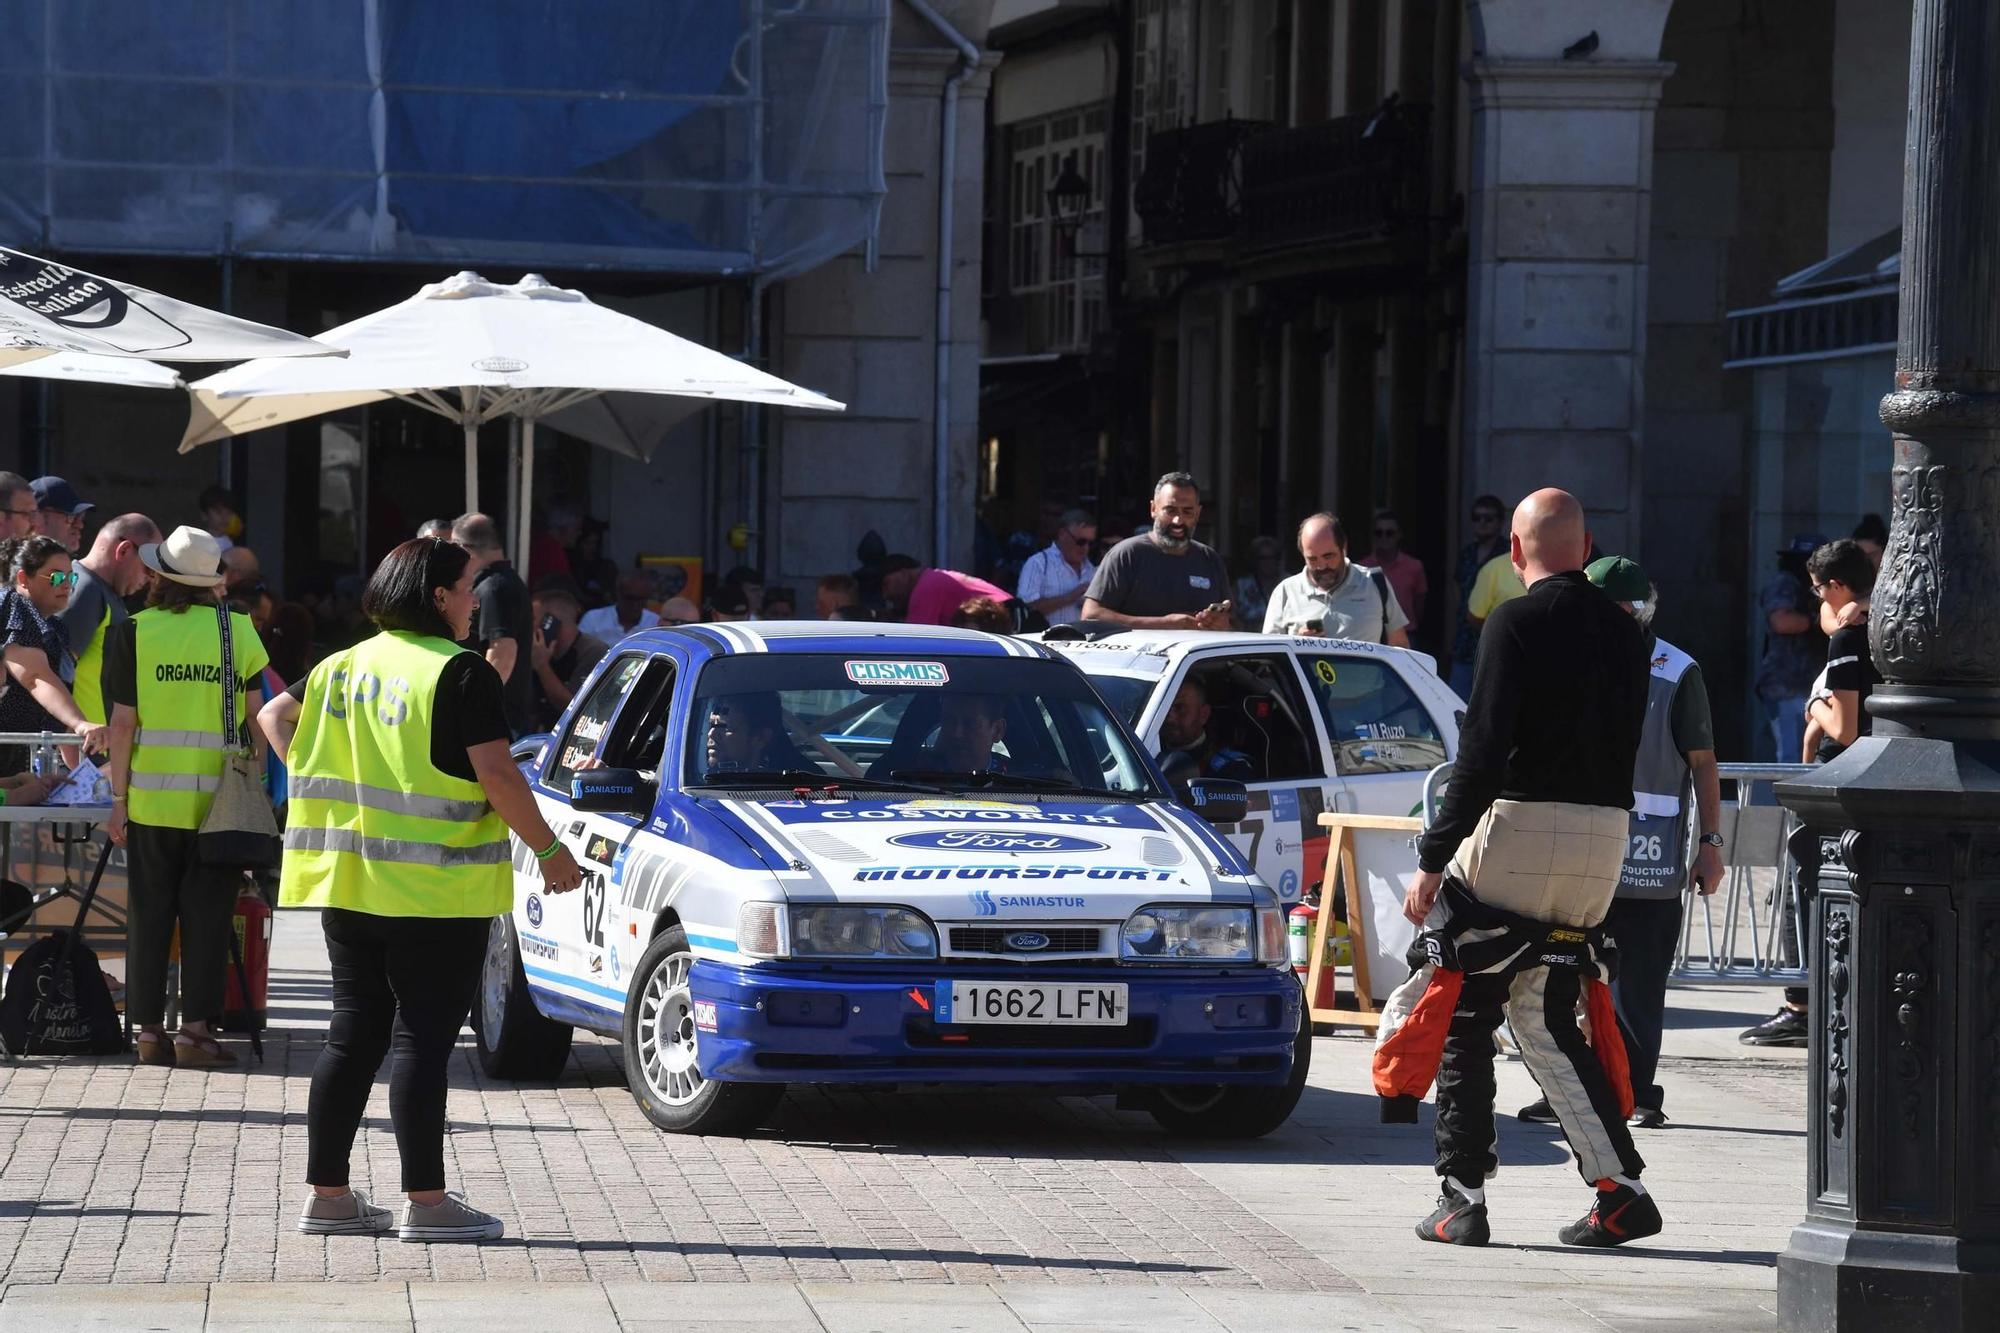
1063,295
1159,52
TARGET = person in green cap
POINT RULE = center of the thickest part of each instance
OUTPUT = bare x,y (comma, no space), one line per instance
1676,761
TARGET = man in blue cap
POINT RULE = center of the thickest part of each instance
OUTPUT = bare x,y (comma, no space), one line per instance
60,512
1794,649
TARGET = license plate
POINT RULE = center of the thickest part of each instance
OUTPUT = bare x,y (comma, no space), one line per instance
1069,1004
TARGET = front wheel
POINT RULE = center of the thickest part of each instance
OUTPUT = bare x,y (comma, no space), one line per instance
514,1039
1220,1112
660,1063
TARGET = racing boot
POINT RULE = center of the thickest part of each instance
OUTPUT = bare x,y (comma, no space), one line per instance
1619,1214
1457,1220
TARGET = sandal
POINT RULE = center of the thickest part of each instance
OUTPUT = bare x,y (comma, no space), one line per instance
155,1049
192,1052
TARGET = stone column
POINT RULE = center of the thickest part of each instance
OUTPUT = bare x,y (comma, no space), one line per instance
1559,216
1903,1155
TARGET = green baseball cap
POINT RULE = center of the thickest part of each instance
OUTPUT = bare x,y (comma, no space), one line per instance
1621,579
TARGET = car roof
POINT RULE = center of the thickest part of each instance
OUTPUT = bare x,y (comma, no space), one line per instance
832,636
1127,648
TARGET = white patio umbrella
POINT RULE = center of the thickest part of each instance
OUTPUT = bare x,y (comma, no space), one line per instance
476,351
89,368
47,308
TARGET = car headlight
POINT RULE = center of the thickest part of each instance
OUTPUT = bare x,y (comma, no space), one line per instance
760,930
828,930
1172,934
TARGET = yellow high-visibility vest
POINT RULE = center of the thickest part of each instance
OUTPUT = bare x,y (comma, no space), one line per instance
88,688
373,825
177,753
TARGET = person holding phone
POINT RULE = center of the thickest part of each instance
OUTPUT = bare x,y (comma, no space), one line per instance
562,655
1163,578
1333,596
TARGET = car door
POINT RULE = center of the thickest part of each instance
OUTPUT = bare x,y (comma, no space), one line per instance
571,943
1383,738
1259,708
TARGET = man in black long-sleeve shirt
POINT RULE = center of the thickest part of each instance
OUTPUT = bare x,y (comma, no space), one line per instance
1534,823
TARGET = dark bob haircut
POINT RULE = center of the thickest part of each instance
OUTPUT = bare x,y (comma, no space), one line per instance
402,593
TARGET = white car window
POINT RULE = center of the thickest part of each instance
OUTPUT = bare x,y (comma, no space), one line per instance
1376,722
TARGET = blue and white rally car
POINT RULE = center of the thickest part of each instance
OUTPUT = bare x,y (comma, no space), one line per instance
849,853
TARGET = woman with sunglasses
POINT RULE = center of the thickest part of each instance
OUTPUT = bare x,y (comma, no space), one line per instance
40,666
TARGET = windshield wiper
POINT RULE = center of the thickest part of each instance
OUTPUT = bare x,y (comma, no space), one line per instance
1001,781
801,779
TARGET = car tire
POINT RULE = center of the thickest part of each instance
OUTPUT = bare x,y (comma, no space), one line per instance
659,1044
1237,1112
513,1038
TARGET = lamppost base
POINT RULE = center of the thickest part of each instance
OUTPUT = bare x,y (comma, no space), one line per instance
1837,1276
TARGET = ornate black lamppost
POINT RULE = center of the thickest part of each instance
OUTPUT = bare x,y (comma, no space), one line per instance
1903,1150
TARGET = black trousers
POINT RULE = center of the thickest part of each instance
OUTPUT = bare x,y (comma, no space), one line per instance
170,886
1540,1005
1647,930
403,982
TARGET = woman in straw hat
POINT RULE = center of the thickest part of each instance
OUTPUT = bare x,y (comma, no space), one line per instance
163,679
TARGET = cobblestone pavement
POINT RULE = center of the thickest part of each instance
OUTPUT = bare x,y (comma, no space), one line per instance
1044,1211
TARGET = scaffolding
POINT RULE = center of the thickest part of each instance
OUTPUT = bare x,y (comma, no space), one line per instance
715,137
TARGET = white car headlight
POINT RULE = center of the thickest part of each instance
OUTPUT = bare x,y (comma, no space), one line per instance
760,930
1166,933
829,930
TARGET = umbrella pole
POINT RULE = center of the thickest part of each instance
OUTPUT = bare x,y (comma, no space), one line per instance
527,490
467,397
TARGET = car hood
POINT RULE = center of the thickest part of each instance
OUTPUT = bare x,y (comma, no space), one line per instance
973,859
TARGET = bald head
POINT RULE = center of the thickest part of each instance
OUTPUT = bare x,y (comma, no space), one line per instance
1549,534
114,556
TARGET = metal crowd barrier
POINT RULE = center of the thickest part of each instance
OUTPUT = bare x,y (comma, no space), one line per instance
1749,930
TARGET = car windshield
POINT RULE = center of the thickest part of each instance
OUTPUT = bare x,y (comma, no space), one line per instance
1127,695
935,723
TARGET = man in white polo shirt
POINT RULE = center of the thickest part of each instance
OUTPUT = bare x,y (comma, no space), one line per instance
1334,597
1055,578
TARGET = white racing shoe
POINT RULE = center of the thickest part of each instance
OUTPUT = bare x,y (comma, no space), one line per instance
454,1219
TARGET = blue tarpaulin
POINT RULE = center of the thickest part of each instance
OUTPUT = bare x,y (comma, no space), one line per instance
713,136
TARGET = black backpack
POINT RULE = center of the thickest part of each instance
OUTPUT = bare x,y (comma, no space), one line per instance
56,998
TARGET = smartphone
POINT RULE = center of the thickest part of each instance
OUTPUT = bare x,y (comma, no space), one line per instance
1218,608
549,627
1314,627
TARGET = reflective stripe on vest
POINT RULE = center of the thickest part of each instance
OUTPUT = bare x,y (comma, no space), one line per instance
88,687
373,825
394,849
177,750
1656,853
384,798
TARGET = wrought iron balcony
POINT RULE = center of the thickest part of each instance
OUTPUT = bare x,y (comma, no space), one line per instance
1192,186
1346,179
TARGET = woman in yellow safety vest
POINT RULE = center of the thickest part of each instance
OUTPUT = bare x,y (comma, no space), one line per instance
402,793
163,681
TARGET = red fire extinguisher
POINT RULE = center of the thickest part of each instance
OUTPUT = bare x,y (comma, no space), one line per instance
252,924
1298,937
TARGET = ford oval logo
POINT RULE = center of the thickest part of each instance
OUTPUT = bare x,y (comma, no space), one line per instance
1027,941
995,840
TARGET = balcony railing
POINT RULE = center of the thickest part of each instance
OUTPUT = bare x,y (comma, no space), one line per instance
1192,185
1346,179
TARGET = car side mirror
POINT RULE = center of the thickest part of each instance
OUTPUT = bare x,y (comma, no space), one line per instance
612,791
1218,800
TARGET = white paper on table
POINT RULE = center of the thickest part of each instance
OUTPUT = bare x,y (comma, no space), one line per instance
82,787
1386,862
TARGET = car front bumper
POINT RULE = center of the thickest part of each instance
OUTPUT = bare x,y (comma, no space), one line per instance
787,1023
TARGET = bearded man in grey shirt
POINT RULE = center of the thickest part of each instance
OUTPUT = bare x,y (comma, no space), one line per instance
1163,579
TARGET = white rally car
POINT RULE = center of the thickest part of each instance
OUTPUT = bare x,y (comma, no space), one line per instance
1308,724
834,853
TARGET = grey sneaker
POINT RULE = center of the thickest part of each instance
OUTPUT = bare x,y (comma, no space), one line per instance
454,1219
342,1214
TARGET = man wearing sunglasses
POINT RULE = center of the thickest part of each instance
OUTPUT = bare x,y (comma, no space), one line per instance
17,506
104,579
1404,571
60,512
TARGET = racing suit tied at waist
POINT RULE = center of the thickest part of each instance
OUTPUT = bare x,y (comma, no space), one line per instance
1475,938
